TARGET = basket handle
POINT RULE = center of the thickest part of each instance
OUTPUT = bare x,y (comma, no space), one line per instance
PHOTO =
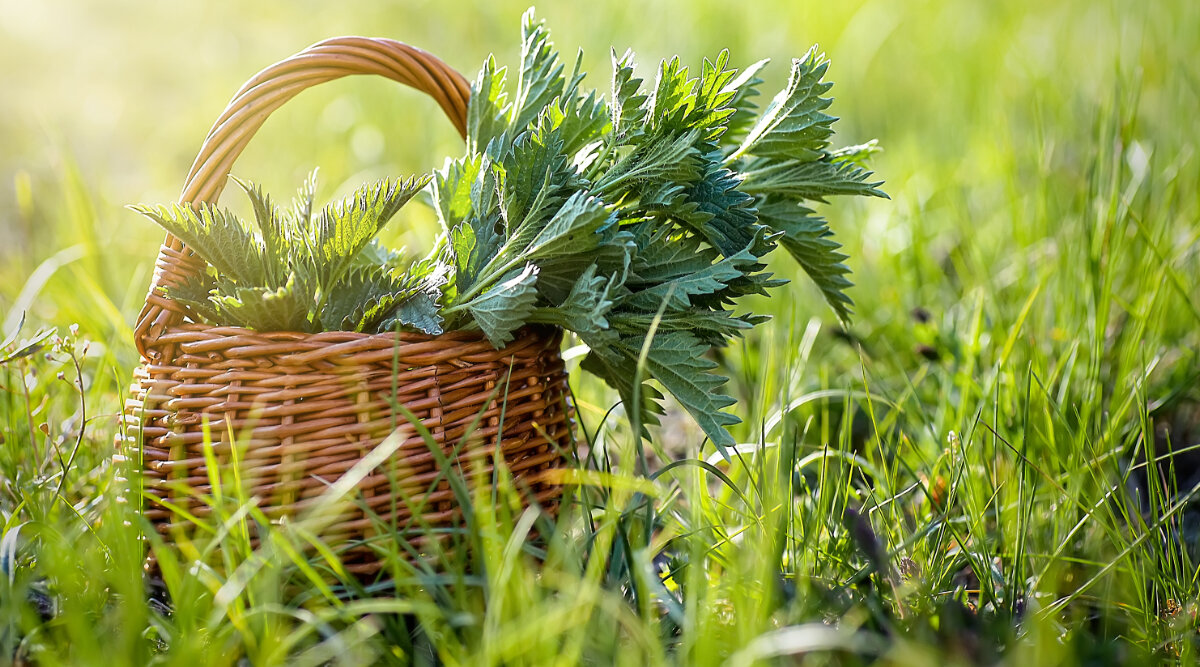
258,97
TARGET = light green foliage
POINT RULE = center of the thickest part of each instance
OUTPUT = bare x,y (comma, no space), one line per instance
302,272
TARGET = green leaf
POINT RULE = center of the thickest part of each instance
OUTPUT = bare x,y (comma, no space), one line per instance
541,79
275,238
302,204
465,195
722,213
678,291
361,300
794,126
472,244
452,186
585,309
506,307
287,308
216,235
557,275
576,229
579,121
808,239
487,110
612,219
419,311
343,229
301,274
745,111
627,111
856,155
809,181
375,255
676,160
195,293
535,179
664,254
672,99
680,104
676,359
713,327
618,371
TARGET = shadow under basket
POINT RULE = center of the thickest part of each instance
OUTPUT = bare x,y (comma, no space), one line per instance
296,411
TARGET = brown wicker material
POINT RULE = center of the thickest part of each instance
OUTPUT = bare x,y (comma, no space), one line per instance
304,408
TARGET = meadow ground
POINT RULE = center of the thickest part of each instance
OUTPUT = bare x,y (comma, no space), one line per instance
994,463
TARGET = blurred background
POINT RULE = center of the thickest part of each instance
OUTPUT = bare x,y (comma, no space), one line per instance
992,116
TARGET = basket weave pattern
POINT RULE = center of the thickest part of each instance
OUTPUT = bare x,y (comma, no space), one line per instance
304,408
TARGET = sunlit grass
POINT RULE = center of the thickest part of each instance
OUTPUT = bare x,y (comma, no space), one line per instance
961,475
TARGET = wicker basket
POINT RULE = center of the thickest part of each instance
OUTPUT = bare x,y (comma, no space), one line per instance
304,408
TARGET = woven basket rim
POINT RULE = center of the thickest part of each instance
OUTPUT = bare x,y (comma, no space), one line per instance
298,347
217,330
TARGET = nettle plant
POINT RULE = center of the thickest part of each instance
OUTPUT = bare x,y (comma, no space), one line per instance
635,222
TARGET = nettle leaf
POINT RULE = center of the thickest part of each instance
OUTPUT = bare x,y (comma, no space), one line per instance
476,238
677,292
536,177
273,230
580,226
585,309
487,110
627,111
579,121
618,370
682,104
302,204
575,230
811,181
287,308
664,254
722,213
558,274
676,359
677,160
363,298
541,79
858,155
343,229
651,211
426,280
672,99
506,307
299,274
216,235
808,239
713,327
713,97
376,255
794,126
195,294
473,245
452,187
418,312
745,111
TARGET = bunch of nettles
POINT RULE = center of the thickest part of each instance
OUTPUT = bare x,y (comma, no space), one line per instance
304,270
643,217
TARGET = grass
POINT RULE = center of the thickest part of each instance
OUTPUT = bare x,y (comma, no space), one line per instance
995,463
